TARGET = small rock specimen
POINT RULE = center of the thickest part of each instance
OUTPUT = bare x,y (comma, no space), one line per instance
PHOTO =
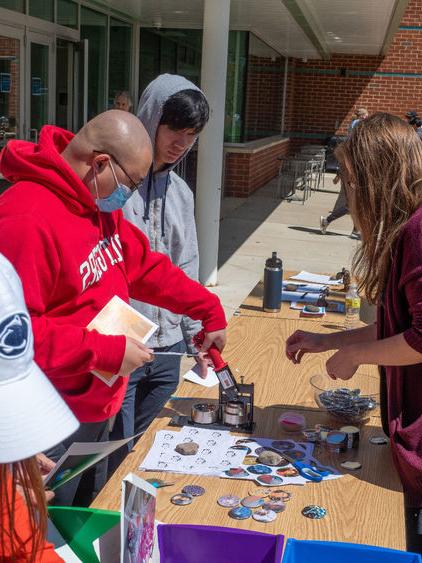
187,448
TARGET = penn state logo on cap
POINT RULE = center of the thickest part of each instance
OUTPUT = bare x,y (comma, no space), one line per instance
14,335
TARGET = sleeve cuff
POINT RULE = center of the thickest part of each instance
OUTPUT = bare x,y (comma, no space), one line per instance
109,352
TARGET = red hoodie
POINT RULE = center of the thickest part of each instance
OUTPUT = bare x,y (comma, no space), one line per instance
72,260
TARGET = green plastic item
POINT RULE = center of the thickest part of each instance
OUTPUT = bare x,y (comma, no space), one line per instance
80,527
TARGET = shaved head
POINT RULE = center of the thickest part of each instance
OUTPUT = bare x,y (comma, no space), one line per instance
117,135
115,132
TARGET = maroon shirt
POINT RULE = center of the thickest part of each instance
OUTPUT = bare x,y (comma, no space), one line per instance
401,312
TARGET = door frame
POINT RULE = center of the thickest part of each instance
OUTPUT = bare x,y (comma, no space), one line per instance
48,41
17,33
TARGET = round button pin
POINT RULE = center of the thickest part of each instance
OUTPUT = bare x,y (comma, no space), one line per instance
378,440
270,480
236,472
229,501
240,513
260,491
314,512
274,505
193,490
282,445
263,515
352,465
259,469
284,496
252,501
287,472
181,499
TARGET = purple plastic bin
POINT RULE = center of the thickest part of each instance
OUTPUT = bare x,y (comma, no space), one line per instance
184,543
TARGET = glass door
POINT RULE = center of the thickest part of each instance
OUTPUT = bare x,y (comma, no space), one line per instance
11,79
40,93
64,84
80,82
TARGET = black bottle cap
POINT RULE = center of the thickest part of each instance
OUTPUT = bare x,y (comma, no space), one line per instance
273,262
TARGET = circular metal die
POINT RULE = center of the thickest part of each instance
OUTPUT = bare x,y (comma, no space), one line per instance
181,499
240,513
263,515
234,413
352,433
229,501
193,490
337,441
204,413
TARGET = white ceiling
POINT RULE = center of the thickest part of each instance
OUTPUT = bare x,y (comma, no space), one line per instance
352,26
345,26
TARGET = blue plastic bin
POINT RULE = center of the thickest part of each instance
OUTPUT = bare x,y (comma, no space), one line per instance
307,551
183,543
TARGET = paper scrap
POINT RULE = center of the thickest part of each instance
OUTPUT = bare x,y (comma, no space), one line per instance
193,376
315,278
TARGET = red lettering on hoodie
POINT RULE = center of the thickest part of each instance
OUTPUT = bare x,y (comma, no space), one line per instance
72,260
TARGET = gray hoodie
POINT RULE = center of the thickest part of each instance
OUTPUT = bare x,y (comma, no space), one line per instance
163,208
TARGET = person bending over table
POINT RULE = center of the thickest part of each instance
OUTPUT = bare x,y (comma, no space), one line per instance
381,165
62,227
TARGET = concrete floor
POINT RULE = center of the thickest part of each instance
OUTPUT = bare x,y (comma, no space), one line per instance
254,227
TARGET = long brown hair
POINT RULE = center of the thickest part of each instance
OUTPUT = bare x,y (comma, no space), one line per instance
25,475
381,166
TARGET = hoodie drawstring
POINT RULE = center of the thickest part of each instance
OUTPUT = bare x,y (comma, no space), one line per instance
163,206
148,195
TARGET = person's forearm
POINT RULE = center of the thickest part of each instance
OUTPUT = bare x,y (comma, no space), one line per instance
337,340
393,351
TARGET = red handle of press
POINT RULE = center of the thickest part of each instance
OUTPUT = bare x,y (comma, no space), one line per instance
213,352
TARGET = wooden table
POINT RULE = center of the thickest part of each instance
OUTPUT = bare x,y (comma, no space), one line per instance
252,306
364,506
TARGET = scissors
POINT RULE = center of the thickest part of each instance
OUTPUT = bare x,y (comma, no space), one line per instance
310,472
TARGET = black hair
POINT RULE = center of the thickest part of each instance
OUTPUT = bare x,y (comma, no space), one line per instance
186,109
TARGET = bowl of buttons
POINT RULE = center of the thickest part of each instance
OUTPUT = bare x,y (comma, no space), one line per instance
351,400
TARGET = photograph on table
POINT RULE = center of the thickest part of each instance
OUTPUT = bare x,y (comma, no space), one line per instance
138,512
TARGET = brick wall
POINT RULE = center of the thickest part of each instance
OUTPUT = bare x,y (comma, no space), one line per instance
264,98
322,95
245,172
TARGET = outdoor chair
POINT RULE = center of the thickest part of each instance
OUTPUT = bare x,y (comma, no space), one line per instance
295,174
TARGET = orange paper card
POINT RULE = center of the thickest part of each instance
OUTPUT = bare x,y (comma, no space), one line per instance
116,318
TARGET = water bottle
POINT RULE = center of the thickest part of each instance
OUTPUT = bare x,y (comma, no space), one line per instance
352,308
273,276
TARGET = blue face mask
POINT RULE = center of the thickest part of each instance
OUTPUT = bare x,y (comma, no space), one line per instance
117,199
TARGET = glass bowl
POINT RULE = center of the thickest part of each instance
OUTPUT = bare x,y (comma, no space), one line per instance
351,400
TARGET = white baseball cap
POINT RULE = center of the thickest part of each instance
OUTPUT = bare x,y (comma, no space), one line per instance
33,416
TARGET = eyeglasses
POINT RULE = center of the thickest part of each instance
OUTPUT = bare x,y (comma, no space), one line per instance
135,186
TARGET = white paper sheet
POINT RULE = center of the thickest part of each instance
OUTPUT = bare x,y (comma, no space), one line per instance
315,278
214,454
193,376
